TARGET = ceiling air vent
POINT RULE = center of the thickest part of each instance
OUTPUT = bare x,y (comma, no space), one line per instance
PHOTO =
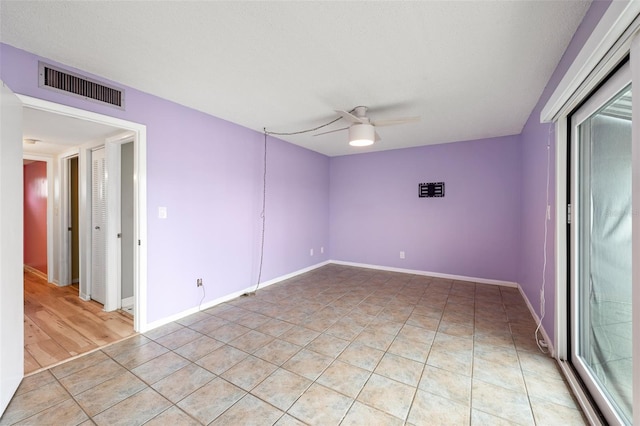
60,80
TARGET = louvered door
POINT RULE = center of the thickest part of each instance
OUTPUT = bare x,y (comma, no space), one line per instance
98,225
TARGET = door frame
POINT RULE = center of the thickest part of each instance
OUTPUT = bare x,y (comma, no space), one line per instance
621,79
114,243
140,322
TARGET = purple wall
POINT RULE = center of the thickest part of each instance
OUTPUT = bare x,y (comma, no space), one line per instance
473,231
534,162
208,173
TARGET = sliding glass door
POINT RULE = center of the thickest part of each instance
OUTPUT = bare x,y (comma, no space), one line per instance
601,247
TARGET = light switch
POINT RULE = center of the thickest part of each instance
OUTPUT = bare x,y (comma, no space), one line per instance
162,212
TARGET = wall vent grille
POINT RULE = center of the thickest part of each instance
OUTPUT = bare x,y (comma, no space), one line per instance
431,189
61,80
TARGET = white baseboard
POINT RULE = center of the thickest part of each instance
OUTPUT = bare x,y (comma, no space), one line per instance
127,301
226,298
536,318
427,273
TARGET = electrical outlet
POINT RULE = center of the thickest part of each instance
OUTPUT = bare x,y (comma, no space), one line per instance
199,282
402,255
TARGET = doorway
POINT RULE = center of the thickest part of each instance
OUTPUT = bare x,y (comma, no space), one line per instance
35,202
601,338
137,133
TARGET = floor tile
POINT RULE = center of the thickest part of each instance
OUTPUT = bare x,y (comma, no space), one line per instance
345,329
321,406
140,354
208,325
173,416
503,355
360,414
299,335
277,351
211,400
547,413
418,335
458,361
387,395
282,388
249,372
135,410
428,408
35,381
222,359
66,412
109,393
160,367
375,339
73,366
251,341
446,384
480,418
249,411
409,349
328,345
92,376
344,378
501,402
178,338
361,356
400,369
550,389
229,331
183,382
32,402
507,376
308,364
198,348
253,320
163,330
274,327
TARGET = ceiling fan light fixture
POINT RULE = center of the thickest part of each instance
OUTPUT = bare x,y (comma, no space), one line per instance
361,134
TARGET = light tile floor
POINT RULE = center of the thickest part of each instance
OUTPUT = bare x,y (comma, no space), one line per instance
337,345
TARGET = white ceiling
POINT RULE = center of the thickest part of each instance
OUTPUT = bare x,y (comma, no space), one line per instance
56,134
470,69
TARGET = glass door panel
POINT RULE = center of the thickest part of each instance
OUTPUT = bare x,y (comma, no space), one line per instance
601,235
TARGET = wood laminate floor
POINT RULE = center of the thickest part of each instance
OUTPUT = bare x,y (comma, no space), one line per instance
58,325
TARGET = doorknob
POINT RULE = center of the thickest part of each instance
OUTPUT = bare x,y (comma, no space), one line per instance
119,235
97,227
69,229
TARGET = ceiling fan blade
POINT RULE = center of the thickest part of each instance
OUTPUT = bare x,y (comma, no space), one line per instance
350,117
395,121
331,131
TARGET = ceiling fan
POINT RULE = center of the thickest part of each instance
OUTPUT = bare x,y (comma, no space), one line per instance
362,130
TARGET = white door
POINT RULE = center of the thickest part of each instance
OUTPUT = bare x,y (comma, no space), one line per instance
98,224
11,223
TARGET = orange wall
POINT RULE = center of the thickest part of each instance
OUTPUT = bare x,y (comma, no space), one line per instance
35,215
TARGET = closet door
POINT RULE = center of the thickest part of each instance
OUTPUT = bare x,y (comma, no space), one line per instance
601,247
98,224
